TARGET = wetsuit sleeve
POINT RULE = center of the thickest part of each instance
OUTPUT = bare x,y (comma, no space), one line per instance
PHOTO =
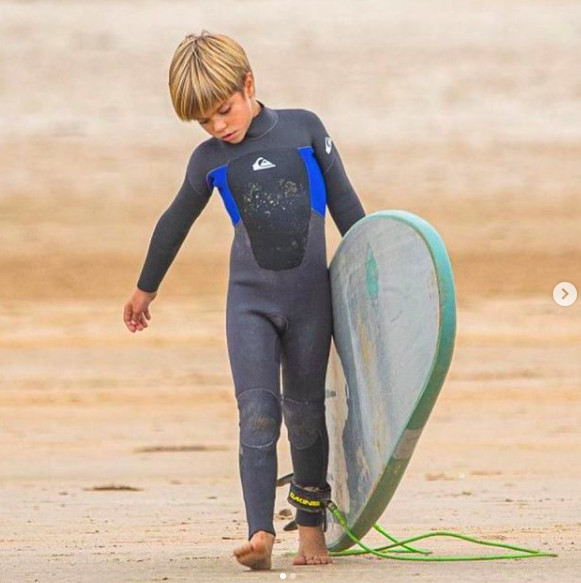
342,200
171,231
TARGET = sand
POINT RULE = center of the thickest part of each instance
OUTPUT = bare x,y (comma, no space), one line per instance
118,452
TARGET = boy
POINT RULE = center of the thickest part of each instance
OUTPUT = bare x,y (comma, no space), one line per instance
276,171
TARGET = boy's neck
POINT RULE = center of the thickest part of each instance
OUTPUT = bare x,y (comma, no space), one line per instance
256,107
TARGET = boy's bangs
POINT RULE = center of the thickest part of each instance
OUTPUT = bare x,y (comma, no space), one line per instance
203,102
208,93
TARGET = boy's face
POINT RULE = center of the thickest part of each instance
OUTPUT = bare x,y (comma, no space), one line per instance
229,121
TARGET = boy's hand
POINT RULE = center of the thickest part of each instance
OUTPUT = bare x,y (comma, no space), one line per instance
136,310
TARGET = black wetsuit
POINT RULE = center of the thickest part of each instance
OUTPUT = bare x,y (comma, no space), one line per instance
275,185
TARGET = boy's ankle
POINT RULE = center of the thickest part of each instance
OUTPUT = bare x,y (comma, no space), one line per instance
262,534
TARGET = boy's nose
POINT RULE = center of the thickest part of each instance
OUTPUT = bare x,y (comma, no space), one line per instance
219,126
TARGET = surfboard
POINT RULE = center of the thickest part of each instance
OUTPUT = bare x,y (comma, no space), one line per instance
394,320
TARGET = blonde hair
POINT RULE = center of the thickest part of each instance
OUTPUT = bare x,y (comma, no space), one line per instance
206,69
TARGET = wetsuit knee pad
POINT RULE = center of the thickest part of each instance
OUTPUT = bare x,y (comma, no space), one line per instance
260,418
304,421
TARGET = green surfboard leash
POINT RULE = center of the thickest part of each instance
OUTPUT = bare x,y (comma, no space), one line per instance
390,551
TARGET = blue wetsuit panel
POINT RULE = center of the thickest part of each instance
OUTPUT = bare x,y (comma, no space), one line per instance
316,180
218,178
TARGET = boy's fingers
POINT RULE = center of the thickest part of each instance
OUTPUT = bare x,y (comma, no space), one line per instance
127,313
143,321
136,318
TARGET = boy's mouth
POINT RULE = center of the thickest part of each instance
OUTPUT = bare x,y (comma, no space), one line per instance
227,137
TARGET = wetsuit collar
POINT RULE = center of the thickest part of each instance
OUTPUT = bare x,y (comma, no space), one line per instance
262,123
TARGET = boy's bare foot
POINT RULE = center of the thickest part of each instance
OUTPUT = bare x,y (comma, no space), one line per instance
312,548
257,552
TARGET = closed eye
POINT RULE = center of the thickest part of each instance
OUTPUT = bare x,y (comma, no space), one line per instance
221,112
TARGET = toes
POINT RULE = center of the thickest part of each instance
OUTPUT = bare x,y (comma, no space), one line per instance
300,560
244,549
316,560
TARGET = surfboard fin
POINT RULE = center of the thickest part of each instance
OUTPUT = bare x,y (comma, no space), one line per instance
284,480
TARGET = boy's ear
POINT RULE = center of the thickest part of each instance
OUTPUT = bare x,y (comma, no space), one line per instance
249,85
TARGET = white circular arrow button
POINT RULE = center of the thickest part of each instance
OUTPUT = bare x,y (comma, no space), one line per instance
565,293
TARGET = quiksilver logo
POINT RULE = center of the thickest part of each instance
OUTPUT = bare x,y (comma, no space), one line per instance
328,145
262,164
